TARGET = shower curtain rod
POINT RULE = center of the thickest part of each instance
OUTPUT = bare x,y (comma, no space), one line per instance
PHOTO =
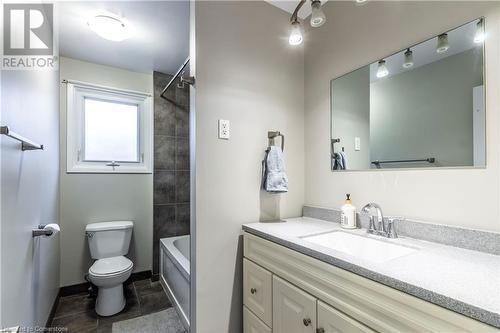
179,72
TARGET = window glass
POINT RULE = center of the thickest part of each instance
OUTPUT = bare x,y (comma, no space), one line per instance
111,131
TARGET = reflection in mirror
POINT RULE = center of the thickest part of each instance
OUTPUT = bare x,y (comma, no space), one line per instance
419,108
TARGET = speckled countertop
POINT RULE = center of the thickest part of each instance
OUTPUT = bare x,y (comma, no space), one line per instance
464,281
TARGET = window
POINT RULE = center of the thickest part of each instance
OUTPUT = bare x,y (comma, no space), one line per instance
108,130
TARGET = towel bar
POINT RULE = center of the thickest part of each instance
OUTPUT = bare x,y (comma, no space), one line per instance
26,144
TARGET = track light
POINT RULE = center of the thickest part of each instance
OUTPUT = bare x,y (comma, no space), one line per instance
382,70
295,33
480,36
318,17
442,44
408,62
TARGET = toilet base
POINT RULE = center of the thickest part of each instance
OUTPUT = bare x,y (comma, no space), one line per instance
110,300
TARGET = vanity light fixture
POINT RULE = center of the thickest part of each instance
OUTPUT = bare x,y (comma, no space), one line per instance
382,70
318,17
408,62
108,27
295,33
480,36
442,44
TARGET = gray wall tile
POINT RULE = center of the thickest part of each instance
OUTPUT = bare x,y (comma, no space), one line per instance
164,183
164,152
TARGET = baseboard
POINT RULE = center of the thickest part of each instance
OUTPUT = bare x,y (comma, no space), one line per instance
52,312
83,287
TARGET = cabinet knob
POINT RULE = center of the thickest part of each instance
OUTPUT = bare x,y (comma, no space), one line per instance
253,290
307,321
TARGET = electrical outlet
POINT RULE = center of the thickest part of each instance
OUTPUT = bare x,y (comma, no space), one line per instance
224,129
357,143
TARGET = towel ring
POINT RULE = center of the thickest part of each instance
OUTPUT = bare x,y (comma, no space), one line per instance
271,135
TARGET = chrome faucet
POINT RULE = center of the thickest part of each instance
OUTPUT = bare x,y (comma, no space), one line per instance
379,229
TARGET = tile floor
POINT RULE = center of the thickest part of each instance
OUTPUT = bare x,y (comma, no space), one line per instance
77,314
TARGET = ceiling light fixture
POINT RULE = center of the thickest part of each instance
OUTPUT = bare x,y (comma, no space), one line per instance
318,17
480,36
382,70
108,27
295,34
442,44
408,62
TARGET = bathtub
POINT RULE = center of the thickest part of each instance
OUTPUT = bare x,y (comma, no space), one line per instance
174,273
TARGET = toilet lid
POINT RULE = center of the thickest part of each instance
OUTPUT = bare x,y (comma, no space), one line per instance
110,266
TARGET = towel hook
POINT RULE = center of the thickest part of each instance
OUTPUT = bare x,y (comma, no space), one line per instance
271,135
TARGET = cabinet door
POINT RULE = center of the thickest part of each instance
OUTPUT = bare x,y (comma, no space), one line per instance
257,291
294,311
331,320
252,324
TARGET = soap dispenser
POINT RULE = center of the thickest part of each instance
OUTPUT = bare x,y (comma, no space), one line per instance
348,215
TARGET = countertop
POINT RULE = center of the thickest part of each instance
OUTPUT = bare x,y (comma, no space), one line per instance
464,281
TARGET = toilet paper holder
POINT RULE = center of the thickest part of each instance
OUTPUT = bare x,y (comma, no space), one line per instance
41,231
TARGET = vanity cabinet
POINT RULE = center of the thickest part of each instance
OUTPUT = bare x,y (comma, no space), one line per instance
286,291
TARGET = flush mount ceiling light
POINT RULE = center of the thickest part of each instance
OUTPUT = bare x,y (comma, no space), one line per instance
318,17
479,36
442,44
109,27
408,62
382,70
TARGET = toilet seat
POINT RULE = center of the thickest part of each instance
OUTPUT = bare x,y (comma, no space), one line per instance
109,267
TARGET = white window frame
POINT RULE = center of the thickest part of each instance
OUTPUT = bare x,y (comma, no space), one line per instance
76,94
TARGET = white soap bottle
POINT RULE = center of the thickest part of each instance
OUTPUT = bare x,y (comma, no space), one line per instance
348,214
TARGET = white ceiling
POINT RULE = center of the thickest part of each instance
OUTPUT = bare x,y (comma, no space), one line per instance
459,39
160,41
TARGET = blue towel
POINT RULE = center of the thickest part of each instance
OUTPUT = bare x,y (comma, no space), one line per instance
274,178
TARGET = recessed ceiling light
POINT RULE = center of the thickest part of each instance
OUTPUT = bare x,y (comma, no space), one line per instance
108,27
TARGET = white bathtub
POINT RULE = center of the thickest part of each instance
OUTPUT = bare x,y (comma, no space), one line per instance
174,273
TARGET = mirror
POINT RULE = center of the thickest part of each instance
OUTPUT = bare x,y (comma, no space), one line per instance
422,107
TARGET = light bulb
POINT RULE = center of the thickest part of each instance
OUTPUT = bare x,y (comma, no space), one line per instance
382,70
408,59
480,36
295,34
442,44
109,28
318,17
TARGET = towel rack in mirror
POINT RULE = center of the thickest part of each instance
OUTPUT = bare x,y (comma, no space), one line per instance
271,135
26,144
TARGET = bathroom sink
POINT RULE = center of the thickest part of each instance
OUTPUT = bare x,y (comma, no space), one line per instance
365,248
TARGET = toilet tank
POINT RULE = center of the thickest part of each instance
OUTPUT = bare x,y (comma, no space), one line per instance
109,239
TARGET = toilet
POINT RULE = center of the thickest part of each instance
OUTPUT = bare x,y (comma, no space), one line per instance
109,243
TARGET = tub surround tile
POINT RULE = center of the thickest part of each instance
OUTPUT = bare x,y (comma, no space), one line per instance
476,240
164,187
164,150
458,279
171,149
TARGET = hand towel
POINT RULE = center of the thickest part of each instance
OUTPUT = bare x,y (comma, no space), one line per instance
274,178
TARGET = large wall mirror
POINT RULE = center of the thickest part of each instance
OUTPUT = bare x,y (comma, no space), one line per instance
423,107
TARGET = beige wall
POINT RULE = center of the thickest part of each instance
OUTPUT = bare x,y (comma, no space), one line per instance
357,35
87,198
247,73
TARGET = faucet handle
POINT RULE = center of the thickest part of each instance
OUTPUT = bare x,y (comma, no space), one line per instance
391,229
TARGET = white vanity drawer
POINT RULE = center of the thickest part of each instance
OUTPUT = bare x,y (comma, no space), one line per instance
252,324
331,320
257,291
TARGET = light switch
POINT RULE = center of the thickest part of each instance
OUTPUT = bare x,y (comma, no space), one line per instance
224,129
357,143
